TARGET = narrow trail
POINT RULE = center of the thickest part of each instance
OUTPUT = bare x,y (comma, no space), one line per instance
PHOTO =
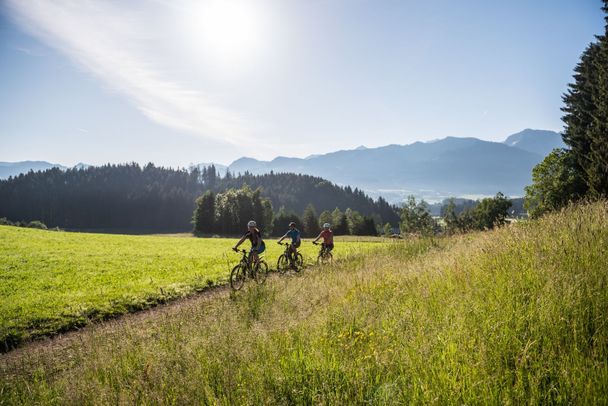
68,338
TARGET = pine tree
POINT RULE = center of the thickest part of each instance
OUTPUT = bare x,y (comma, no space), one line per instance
369,226
586,118
325,217
340,222
204,214
450,218
310,222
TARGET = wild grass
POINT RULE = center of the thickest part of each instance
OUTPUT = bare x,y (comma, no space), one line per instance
516,315
52,282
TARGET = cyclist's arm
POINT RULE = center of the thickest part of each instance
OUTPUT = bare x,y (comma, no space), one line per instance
240,241
282,238
318,237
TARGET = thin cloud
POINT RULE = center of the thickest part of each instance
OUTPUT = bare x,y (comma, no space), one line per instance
113,43
27,51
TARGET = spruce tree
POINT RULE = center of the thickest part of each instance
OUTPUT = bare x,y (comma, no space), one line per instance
325,217
310,222
586,118
340,222
204,214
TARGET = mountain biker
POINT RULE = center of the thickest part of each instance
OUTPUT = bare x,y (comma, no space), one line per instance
294,234
257,243
328,238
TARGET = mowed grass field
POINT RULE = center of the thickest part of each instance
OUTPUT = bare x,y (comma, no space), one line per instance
56,281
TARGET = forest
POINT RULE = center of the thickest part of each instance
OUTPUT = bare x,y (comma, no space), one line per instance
131,198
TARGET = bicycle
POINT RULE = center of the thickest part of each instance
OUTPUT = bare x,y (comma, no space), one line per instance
288,260
244,269
325,256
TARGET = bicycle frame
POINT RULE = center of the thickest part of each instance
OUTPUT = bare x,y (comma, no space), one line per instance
323,251
288,253
246,259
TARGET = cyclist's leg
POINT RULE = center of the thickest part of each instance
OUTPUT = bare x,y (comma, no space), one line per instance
257,253
291,252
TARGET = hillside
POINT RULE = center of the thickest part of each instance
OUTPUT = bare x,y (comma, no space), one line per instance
130,198
510,316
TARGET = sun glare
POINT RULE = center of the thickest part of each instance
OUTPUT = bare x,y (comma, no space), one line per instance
226,30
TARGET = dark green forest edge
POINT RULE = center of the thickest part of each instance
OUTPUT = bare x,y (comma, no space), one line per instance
129,197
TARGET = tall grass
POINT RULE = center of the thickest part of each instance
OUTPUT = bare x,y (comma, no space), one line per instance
516,315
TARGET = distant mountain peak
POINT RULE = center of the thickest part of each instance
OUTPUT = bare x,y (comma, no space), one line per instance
361,148
540,142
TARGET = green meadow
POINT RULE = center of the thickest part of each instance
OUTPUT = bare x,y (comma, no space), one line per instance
517,315
56,281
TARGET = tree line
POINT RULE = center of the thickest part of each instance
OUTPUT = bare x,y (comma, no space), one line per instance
227,213
132,198
581,170
485,214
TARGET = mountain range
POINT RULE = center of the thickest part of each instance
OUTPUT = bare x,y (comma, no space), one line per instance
432,170
8,169
466,167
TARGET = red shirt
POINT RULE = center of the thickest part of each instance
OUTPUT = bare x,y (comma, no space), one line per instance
328,236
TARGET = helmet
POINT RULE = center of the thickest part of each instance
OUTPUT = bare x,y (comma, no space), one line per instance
251,224
326,225
292,224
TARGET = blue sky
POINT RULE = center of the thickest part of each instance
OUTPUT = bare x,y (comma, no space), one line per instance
180,82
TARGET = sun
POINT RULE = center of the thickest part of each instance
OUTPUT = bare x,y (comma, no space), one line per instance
226,30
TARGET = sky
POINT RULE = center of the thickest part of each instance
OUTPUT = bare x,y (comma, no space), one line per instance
177,82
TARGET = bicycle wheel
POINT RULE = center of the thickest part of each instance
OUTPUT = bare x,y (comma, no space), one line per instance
261,271
325,258
298,262
282,264
237,277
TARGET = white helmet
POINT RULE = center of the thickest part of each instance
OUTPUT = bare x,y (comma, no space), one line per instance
251,224
326,225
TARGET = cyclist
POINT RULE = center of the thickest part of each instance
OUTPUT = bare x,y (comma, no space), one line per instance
257,243
328,238
294,234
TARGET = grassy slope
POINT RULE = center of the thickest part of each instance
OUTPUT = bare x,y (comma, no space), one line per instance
55,281
517,315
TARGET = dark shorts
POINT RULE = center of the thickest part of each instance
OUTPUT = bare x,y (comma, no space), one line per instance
262,248
296,244
328,247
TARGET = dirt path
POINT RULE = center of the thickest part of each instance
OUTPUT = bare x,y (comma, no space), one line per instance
69,338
